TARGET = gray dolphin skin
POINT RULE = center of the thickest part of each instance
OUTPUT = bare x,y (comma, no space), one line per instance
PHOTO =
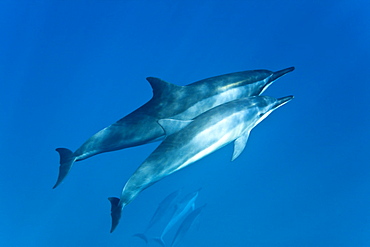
163,208
168,101
207,133
186,225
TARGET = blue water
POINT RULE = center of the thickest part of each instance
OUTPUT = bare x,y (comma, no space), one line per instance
71,68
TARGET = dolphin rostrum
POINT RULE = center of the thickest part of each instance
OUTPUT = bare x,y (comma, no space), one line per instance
208,132
168,101
165,207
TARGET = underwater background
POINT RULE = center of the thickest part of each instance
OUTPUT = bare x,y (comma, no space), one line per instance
70,68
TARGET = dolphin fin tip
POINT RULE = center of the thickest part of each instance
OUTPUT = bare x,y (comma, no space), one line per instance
67,159
142,236
113,227
116,210
160,241
151,78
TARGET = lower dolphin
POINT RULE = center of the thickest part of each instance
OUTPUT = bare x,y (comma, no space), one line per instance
207,133
164,207
182,208
168,101
186,225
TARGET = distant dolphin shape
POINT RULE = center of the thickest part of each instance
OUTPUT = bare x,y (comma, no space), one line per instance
207,133
164,207
168,101
186,224
182,208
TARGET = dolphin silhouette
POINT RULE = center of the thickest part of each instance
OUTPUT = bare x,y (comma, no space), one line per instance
164,207
186,225
208,132
168,101
182,208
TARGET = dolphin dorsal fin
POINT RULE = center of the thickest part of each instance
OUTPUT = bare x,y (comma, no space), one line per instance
171,126
160,86
239,145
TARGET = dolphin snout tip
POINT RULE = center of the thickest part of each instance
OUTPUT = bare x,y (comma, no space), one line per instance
287,98
290,69
284,100
276,75
284,71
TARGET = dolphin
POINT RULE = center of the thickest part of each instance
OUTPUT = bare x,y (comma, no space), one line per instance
182,208
168,101
163,208
186,224
207,133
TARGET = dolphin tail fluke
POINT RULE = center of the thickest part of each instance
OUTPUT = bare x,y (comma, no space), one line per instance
116,211
160,241
67,159
280,73
142,236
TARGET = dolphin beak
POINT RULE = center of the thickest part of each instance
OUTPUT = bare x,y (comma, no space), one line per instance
280,73
274,76
283,101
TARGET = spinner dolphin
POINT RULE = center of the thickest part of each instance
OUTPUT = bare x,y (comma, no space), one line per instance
186,205
165,207
207,133
168,101
186,225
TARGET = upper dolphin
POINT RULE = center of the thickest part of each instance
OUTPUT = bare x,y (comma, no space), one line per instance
208,132
168,101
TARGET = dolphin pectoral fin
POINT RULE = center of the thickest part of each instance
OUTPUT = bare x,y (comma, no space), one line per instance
171,126
239,145
142,236
116,211
67,159
160,241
